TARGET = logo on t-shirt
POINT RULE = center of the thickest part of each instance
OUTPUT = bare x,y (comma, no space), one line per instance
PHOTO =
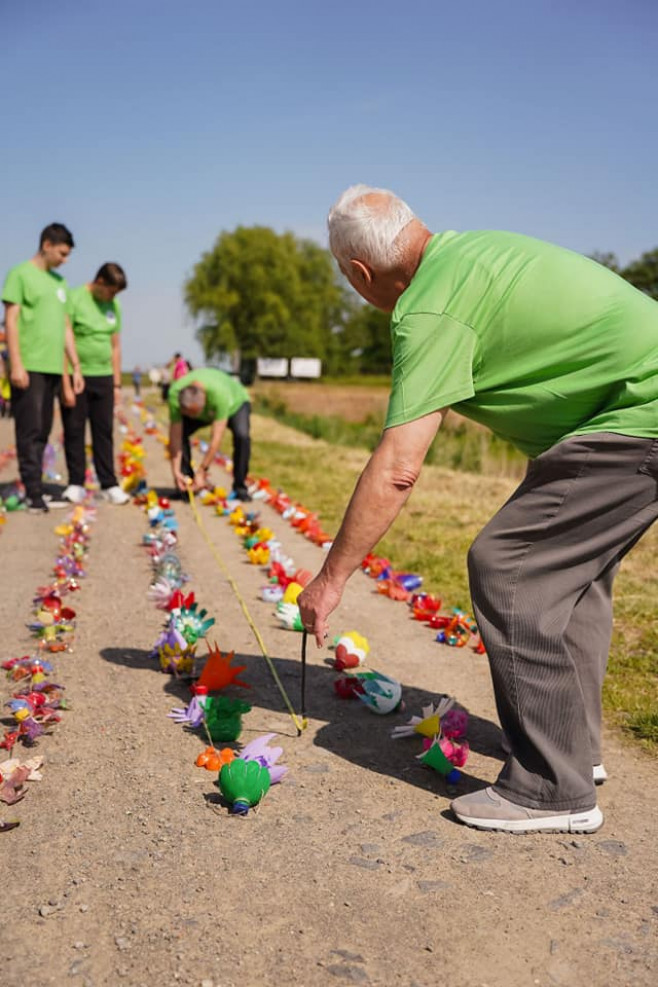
61,294
111,318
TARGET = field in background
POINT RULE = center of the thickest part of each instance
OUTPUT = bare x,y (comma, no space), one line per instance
352,414
445,513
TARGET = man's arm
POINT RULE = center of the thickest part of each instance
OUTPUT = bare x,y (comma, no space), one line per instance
18,374
72,354
116,367
381,492
175,454
216,435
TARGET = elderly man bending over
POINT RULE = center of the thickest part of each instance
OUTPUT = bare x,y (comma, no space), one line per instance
559,356
208,397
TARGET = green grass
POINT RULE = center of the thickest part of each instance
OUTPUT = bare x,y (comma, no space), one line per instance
459,445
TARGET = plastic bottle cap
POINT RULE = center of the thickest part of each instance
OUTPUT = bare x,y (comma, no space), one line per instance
200,690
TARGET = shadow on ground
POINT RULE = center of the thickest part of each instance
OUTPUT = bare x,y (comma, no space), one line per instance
350,730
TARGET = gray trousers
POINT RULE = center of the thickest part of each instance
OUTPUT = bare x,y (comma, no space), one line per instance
541,575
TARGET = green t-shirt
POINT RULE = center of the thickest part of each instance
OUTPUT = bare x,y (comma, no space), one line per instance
224,394
532,340
43,297
94,323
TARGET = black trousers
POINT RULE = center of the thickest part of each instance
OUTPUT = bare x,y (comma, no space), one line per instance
96,403
239,427
32,408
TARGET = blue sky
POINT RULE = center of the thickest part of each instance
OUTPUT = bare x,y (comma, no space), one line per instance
149,127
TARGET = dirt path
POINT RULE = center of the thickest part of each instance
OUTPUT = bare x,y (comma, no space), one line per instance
126,870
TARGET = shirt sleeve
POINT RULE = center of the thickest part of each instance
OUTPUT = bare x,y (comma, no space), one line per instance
433,356
12,291
119,316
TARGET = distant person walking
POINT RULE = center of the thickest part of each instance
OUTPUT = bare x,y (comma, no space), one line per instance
38,335
96,320
137,381
209,397
181,367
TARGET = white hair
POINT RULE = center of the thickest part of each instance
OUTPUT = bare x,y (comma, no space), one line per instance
364,223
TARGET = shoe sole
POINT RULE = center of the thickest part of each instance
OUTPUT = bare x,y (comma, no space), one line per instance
576,822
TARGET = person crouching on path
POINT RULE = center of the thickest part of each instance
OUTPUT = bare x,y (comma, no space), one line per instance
96,320
209,397
558,355
38,337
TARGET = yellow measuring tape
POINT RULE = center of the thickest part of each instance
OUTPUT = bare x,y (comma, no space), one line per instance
300,722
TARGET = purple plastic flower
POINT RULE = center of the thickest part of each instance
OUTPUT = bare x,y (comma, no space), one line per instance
258,750
191,716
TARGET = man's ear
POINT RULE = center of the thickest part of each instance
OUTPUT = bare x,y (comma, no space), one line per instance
361,272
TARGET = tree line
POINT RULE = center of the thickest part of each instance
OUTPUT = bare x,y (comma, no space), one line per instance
264,294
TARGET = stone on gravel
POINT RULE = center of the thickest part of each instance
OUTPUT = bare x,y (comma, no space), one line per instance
355,974
613,847
428,838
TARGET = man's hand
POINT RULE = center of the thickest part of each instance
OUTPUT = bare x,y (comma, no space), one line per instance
19,376
68,396
200,481
181,481
316,602
78,381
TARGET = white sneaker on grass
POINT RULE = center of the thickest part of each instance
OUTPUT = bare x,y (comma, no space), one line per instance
115,495
74,494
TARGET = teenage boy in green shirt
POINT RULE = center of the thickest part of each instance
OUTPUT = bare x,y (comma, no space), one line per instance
209,397
558,355
95,316
38,335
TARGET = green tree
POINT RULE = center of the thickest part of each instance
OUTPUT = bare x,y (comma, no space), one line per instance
643,273
367,340
607,259
266,294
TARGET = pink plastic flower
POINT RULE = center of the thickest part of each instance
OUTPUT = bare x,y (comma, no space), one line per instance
457,754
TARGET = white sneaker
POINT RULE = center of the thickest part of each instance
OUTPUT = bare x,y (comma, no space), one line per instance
74,494
486,809
115,495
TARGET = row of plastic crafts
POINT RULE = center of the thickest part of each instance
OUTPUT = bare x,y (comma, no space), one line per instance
243,776
12,494
456,628
37,695
441,726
